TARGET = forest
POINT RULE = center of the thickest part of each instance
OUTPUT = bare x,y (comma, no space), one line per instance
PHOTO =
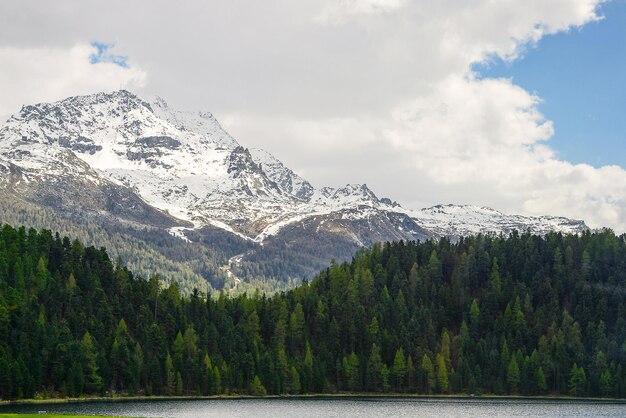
517,314
198,263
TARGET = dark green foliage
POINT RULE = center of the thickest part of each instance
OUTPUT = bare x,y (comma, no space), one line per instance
145,251
278,264
521,314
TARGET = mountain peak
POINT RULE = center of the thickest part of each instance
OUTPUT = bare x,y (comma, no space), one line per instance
240,160
462,220
357,191
186,163
282,175
451,208
123,98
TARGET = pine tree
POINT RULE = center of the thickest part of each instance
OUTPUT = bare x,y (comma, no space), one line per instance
170,375
296,330
384,375
216,386
513,375
442,374
494,278
374,369
606,383
257,388
445,349
542,385
179,384
294,381
398,370
88,353
307,378
208,374
428,371
410,374
577,380
351,371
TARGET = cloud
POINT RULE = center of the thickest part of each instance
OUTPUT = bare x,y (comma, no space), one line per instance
340,11
489,133
48,74
471,141
455,138
103,54
374,91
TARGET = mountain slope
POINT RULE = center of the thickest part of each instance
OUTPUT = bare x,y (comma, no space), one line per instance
118,160
463,220
523,315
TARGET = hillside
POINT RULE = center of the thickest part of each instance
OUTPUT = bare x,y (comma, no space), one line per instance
209,211
522,314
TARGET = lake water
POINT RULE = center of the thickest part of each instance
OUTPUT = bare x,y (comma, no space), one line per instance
333,407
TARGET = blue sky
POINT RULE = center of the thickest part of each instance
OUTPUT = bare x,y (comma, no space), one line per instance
581,77
103,54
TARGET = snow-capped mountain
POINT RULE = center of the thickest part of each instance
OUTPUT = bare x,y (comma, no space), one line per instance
123,158
283,176
464,220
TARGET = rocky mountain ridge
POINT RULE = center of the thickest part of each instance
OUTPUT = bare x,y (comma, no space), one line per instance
117,158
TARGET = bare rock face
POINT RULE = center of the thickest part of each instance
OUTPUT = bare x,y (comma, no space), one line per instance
117,158
80,144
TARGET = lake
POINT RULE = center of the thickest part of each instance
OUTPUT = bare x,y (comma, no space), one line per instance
365,407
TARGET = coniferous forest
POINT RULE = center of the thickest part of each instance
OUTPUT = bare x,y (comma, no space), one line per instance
488,315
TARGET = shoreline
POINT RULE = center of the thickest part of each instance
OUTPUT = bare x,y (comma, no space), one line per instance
320,396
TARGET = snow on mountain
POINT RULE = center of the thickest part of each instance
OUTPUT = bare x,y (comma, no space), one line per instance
350,195
283,176
181,162
203,123
462,220
186,164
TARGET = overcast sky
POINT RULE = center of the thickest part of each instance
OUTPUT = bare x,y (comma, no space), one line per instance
399,94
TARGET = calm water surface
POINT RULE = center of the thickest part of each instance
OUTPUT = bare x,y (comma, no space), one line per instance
344,407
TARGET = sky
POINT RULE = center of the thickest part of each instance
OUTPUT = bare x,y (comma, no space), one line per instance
510,104
580,76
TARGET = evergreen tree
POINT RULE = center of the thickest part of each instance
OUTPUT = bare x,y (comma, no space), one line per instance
170,376
442,374
398,370
374,369
257,388
577,380
350,365
542,385
294,381
384,376
513,375
307,378
179,384
428,372
88,354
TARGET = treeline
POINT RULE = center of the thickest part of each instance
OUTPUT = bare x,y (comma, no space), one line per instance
505,315
145,251
294,254
197,264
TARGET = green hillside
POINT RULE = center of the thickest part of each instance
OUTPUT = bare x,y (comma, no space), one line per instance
503,315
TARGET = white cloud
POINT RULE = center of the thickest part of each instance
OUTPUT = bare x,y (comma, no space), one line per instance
375,91
339,11
490,133
48,74
456,138
471,141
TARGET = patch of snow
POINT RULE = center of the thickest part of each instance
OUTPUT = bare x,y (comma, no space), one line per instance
179,232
